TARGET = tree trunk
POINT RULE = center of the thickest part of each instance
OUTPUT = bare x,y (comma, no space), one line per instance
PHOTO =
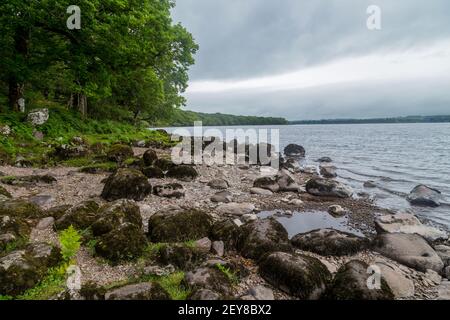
15,95
82,104
17,87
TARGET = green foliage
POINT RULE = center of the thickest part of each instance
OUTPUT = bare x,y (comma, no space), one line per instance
173,285
231,275
5,298
70,241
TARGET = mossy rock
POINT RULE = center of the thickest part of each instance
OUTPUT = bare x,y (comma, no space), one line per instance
301,276
164,164
226,231
350,283
99,168
126,184
15,225
28,180
183,173
91,291
153,172
149,157
5,192
138,291
58,211
206,278
179,226
119,153
181,255
80,216
20,208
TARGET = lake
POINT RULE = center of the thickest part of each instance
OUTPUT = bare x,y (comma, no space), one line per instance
397,157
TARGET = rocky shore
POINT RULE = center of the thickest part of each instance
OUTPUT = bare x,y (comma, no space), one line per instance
213,232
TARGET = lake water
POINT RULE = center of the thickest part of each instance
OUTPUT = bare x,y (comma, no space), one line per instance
397,157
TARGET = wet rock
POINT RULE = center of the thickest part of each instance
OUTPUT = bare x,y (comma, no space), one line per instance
425,196
38,117
218,184
294,150
409,224
261,192
237,209
126,184
327,188
153,172
210,279
140,291
351,283
182,256
400,286
183,173
328,171
20,208
298,275
408,249
80,216
119,153
267,183
337,211
324,160
150,157
290,164
222,197
218,248
179,226
263,236
329,242
171,190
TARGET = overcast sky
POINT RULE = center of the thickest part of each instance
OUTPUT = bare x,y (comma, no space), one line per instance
314,59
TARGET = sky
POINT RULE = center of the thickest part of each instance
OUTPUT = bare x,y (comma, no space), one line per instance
317,59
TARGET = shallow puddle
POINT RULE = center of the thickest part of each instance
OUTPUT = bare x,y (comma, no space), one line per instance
301,222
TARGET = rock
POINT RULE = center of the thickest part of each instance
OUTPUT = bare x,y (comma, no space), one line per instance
263,236
433,276
261,293
171,190
126,184
267,183
58,211
226,231
182,256
159,271
329,242
328,171
153,172
249,217
409,224
400,286
222,197
150,157
140,291
290,164
296,202
351,283
179,226
119,153
425,196
286,182
66,151
183,173
20,208
261,192
327,188
294,150
370,184
204,295
38,135
23,269
5,192
21,162
29,180
203,244
218,248
444,253
408,249
5,240
324,160
238,223
38,117
42,199
164,164
5,130
80,216
298,275
209,279
447,272
45,223
337,211
310,169
13,225
237,209
218,184
444,291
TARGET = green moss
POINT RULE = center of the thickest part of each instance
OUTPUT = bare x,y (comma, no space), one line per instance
99,167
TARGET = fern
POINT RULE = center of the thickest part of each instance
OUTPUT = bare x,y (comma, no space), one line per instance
70,241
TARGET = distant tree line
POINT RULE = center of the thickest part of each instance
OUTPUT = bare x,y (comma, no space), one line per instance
408,119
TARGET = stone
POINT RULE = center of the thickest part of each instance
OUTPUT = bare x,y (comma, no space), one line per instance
203,244
119,153
42,199
210,279
29,180
447,272
409,224
444,291
204,295
433,276
351,283
45,223
149,157
261,192
226,231
218,248
337,211
183,173
171,190
444,253
290,164
261,237
238,223
328,171
16,226
126,184
164,164
5,192
309,169
38,117
294,150
249,217
324,160
222,197
425,196
301,276
218,184
181,255
370,184
237,209
267,183
408,249
286,182
328,188
296,202
330,242
80,216
153,172
20,208
139,291
5,130
261,293
401,286
159,271
179,226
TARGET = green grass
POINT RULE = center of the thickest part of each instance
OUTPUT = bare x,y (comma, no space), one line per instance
173,285
231,275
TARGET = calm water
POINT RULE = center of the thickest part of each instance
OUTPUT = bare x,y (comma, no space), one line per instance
397,157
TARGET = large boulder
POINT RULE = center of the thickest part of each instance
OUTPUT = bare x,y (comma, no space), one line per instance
443,252
409,249
139,291
126,184
409,224
181,255
400,285
301,276
119,153
263,236
80,216
23,269
150,157
112,215
226,231
20,208
286,182
351,283
164,164
153,172
183,173
328,171
327,188
208,278
179,226
294,150
12,229
330,242
425,196
38,117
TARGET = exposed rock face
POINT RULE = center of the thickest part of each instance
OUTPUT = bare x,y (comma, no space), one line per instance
401,286
329,242
237,209
294,150
153,172
179,226
150,157
425,196
119,153
38,117
298,275
210,279
327,188
140,291
126,184
20,208
409,224
328,171
351,283
183,173
80,216
171,190
23,269
222,197
263,236
218,184
408,249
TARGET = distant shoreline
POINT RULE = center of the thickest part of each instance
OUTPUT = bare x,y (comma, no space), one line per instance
408,119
